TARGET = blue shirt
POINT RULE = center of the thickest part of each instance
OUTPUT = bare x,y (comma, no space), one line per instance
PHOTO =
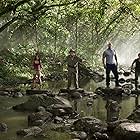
109,54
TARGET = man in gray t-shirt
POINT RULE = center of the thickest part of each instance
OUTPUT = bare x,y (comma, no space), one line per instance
110,64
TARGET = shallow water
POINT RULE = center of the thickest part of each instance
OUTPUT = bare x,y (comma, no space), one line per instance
17,120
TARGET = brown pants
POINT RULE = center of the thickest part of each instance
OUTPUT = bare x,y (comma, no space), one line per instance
73,76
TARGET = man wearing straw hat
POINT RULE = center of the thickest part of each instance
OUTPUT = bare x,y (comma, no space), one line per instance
72,64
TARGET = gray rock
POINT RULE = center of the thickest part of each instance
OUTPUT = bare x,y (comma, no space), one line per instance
101,136
114,124
75,95
88,124
127,131
79,134
42,100
58,120
41,109
80,90
94,96
59,110
3,127
33,131
89,103
17,95
4,93
135,115
39,118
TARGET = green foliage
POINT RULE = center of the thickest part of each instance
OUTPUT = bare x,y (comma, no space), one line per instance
55,26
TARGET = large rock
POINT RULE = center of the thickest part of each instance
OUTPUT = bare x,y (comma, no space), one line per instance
135,92
32,131
88,125
79,134
112,125
80,90
42,100
35,91
135,115
3,127
109,91
39,118
127,131
88,72
59,110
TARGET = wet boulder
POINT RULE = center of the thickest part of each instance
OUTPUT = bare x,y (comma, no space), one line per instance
35,101
75,95
100,136
59,110
17,95
36,91
137,92
135,115
127,131
112,125
121,80
88,125
80,90
93,96
41,109
129,86
58,120
79,135
4,93
99,91
9,91
3,127
109,91
88,72
32,131
39,118
130,80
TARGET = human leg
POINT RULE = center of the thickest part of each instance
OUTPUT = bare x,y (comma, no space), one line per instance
136,79
69,79
34,81
107,75
115,72
39,77
76,84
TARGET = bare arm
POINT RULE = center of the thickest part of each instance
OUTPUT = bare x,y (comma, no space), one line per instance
64,61
103,60
132,66
116,59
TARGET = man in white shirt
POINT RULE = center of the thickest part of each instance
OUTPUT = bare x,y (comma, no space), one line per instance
110,64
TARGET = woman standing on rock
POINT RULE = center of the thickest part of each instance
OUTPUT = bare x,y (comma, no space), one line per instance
37,70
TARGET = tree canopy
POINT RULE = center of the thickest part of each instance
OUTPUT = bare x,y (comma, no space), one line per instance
54,26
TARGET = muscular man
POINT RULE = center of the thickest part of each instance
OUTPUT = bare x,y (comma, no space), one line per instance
137,70
110,64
